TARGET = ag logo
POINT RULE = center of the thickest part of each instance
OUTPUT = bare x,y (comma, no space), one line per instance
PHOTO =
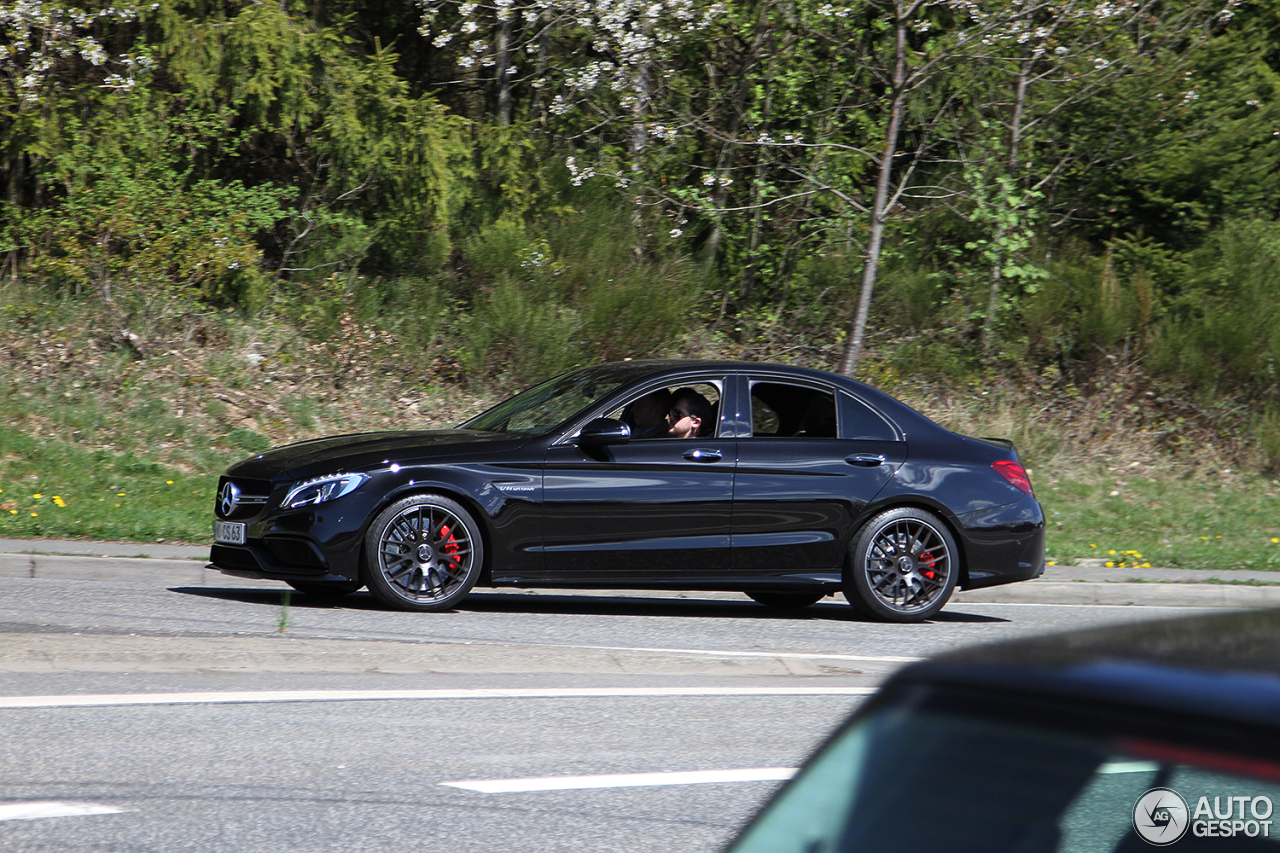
1160,816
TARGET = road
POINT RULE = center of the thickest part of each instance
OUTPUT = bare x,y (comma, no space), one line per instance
162,717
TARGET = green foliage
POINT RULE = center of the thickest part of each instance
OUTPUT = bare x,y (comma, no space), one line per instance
1224,329
580,290
127,216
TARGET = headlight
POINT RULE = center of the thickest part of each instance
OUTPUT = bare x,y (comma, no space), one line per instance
321,489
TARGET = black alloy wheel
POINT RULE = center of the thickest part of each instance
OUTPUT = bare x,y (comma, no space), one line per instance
903,566
787,599
423,553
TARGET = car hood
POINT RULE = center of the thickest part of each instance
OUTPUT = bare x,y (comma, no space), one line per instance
366,450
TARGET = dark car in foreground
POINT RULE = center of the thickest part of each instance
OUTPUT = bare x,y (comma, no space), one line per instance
796,484
1159,734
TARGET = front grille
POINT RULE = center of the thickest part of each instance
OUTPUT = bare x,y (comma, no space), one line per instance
241,498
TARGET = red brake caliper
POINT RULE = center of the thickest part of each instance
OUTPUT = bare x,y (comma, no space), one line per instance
927,559
450,546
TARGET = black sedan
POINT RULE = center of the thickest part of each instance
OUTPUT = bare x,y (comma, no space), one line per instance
783,483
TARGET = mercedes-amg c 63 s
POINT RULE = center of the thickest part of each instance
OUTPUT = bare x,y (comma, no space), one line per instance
783,483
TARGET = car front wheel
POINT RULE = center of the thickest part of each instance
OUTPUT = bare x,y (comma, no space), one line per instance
903,566
423,553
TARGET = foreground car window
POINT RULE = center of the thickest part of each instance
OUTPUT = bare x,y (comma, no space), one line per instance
908,780
544,407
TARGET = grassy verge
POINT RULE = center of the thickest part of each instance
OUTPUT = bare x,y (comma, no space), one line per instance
1170,519
99,442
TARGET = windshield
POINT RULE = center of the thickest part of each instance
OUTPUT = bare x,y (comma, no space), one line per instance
544,407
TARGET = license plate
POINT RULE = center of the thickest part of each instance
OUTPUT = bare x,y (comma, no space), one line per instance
229,532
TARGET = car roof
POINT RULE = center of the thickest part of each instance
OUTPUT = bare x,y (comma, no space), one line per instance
1220,665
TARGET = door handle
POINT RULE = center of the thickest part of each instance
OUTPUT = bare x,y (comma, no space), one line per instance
701,455
865,460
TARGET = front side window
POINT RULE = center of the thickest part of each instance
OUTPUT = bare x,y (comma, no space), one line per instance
686,410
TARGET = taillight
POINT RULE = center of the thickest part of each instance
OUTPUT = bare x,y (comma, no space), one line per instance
1014,473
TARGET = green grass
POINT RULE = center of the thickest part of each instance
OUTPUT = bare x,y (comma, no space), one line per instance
1208,520
52,489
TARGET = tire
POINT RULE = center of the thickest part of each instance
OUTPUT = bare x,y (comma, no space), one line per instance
423,553
787,599
325,590
903,566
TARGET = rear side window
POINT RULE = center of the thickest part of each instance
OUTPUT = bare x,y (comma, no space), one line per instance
781,410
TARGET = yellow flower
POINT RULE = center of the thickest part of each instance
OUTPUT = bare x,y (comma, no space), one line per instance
57,499
13,512
35,515
168,482
1112,553
1274,540
37,496
117,506
1093,546
119,494
1110,565
1146,565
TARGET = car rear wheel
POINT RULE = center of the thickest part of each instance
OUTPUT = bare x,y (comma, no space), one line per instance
423,553
903,566
786,599
325,590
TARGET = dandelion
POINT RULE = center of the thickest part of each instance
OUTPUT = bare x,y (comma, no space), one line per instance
35,515
13,512
1274,540
1110,565
168,482
37,496
57,499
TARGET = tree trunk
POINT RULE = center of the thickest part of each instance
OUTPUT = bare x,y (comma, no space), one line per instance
1011,169
503,66
879,208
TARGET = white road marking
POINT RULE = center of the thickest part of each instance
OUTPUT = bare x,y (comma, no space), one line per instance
32,811
1181,608
624,780
264,696
716,653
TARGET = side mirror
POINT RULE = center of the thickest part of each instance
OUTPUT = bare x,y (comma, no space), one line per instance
602,431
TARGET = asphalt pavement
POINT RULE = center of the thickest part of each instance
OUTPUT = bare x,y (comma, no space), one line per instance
185,565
